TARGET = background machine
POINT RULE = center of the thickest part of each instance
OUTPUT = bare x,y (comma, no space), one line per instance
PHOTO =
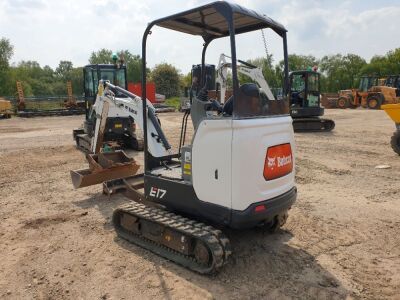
120,130
305,102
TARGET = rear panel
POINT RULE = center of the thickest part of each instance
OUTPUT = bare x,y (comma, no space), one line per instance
251,140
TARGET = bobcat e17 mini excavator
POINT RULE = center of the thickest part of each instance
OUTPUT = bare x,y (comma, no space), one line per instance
238,170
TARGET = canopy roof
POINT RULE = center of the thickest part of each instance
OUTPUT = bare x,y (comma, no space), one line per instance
209,21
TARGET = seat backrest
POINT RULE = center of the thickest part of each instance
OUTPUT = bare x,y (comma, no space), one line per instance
247,89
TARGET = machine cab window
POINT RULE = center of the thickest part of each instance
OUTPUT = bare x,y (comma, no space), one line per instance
313,90
304,89
93,73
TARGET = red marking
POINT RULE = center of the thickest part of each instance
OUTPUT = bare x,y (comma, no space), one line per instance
278,161
260,208
136,88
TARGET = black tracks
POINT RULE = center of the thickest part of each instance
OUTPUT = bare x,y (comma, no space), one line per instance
217,244
313,125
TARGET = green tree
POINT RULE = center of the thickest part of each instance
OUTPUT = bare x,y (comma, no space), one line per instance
133,62
298,62
186,80
59,88
268,70
382,65
166,78
133,66
393,58
77,80
6,52
341,72
64,69
102,56
29,73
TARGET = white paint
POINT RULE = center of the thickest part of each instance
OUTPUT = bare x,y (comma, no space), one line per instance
211,151
251,139
130,107
237,149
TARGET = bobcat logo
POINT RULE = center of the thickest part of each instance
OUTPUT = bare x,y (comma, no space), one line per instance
285,160
271,162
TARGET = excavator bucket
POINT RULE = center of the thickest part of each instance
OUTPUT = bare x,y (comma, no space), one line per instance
104,167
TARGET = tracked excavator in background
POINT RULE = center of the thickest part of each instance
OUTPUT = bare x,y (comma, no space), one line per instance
237,171
120,130
304,94
305,102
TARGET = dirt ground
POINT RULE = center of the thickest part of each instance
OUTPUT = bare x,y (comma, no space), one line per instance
341,240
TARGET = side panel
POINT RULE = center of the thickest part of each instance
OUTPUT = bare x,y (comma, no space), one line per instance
181,197
211,161
251,139
116,112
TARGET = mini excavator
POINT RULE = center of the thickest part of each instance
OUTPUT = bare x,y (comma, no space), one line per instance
237,171
120,130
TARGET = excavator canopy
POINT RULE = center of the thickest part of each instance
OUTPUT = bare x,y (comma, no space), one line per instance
210,21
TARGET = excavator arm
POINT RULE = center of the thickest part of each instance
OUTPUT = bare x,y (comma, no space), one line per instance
133,105
255,73
106,166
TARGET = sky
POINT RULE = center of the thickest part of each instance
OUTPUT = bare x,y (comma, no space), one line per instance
48,31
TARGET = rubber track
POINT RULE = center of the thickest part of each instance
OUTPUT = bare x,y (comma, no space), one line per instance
313,125
214,239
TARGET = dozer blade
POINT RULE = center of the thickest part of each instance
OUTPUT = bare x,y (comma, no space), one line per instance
104,167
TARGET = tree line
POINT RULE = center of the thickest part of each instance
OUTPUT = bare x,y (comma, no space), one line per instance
337,71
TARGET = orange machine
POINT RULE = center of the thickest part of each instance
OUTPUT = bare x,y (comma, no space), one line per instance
5,109
370,94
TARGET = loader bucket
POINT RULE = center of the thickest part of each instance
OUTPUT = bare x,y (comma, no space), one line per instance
104,167
393,111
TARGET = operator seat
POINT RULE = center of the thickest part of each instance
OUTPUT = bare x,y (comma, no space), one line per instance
247,89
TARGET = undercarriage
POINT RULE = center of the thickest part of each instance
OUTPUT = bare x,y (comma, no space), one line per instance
313,124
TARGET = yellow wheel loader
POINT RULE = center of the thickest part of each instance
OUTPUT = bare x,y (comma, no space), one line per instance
369,94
